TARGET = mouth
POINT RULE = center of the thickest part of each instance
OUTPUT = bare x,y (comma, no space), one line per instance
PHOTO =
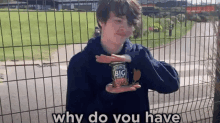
121,34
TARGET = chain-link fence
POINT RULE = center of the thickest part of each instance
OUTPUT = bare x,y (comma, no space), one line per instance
38,38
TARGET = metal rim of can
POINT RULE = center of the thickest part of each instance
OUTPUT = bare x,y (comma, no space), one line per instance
117,62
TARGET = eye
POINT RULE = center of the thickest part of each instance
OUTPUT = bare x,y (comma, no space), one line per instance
118,21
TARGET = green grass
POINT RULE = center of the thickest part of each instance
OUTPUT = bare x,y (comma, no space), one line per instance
30,36
155,39
62,29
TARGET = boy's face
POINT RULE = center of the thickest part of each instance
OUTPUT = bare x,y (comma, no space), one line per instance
116,29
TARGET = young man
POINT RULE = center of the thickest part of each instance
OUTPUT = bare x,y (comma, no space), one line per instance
89,86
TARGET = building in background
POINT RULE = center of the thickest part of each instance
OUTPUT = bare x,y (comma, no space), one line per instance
201,8
156,1
12,4
84,5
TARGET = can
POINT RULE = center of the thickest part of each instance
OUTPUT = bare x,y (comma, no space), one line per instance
119,74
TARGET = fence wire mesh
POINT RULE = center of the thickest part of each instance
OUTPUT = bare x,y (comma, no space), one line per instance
38,38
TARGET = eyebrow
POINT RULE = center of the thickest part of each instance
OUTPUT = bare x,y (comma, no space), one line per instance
119,17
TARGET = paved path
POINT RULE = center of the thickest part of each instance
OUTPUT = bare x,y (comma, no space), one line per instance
193,53
196,46
40,90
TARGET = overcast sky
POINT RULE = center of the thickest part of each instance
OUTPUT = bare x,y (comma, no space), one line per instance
199,1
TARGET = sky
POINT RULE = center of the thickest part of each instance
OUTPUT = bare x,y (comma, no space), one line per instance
199,1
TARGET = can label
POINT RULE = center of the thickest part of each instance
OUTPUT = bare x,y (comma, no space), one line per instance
119,74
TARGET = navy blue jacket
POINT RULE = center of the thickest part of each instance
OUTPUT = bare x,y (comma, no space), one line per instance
87,80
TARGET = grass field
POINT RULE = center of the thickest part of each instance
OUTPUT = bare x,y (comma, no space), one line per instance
155,39
39,33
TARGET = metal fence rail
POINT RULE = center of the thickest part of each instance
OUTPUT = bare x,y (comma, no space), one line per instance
36,46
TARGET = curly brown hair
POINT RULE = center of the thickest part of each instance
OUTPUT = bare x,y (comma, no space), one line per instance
129,8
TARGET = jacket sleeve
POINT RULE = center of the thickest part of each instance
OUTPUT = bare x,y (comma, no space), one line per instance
81,97
157,75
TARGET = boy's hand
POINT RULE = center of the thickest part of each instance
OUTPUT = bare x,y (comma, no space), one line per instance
109,88
113,58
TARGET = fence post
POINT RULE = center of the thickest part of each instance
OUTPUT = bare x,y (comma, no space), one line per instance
185,15
170,30
216,110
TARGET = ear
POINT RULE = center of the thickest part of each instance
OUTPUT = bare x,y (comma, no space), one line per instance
100,23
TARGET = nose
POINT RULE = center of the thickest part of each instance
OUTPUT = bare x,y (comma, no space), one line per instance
123,27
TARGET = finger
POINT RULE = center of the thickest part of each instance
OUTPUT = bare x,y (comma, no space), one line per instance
108,87
137,86
118,58
103,57
100,60
97,60
125,89
109,57
113,57
110,84
121,89
113,54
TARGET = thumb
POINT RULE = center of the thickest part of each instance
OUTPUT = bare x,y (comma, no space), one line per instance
113,54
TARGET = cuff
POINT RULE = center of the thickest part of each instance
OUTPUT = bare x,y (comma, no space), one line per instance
128,58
